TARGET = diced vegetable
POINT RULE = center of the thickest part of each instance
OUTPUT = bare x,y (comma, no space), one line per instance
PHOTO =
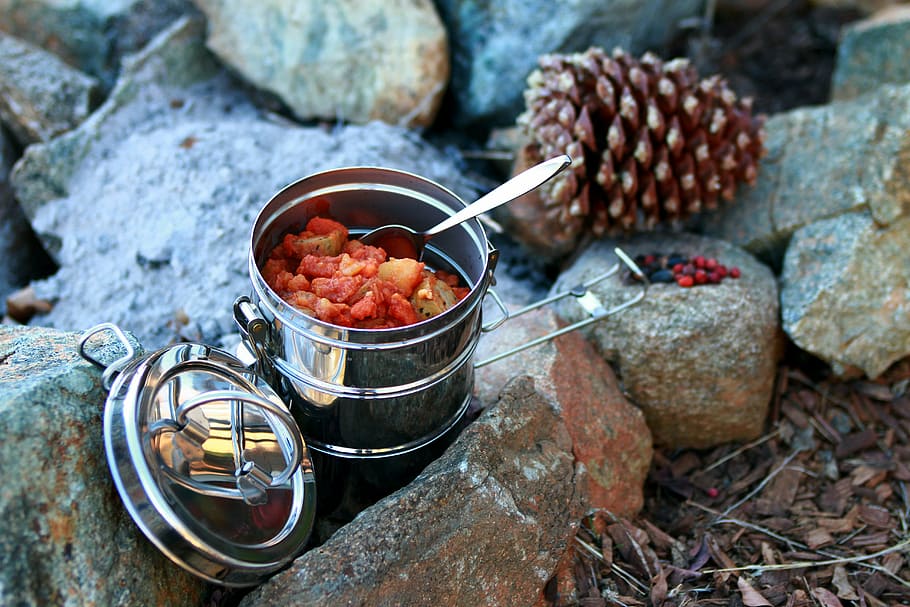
406,274
431,297
344,282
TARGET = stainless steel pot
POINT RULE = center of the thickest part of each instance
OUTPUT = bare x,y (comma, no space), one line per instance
360,392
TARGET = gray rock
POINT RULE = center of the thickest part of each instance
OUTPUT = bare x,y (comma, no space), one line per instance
65,537
873,52
21,255
822,162
40,95
495,45
485,524
844,292
863,6
609,435
354,60
92,36
699,362
148,205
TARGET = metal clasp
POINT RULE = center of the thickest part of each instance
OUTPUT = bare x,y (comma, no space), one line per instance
588,301
254,330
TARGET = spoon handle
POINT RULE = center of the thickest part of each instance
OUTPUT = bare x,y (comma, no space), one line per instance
517,186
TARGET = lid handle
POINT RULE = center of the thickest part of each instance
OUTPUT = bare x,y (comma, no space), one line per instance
252,481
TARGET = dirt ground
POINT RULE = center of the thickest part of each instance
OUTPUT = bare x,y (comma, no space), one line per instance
813,513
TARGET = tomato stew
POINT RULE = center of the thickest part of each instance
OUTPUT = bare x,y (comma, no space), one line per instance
324,274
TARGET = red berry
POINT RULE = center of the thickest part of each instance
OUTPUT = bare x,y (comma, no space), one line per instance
649,259
678,268
734,272
700,277
689,269
685,281
699,261
721,270
710,263
712,492
713,277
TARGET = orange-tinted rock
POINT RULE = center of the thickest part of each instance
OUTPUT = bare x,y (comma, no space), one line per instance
609,435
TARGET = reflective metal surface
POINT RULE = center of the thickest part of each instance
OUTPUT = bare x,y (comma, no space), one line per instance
209,463
373,392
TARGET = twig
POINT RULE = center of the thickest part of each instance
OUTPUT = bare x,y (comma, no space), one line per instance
629,578
808,564
761,485
625,575
754,443
792,544
826,395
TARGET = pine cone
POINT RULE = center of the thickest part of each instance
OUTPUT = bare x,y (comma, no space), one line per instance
650,142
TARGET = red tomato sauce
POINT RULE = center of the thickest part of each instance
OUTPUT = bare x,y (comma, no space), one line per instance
324,274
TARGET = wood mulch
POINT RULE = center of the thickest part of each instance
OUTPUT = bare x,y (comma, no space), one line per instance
816,511
813,513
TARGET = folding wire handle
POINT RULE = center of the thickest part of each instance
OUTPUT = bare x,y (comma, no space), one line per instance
586,299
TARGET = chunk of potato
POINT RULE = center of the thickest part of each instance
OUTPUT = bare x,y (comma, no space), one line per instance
404,273
307,243
431,297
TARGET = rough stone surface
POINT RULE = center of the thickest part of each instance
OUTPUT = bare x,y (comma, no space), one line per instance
495,45
155,194
699,362
90,35
21,253
873,52
864,6
609,435
40,95
65,537
485,524
354,60
822,162
845,294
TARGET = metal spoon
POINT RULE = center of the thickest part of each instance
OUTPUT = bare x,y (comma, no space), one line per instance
401,241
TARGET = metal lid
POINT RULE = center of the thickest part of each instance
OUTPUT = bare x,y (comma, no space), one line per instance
207,459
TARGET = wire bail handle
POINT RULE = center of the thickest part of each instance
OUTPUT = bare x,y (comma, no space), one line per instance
586,299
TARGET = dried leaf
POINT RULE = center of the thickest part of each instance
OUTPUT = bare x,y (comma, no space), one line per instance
893,562
22,305
875,516
767,554
659,587
659,538
751,596
841,582
863,474
873,390
818,537
857,441
826,597
701,556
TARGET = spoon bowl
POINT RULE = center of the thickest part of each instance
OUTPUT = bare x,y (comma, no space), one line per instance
401,241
